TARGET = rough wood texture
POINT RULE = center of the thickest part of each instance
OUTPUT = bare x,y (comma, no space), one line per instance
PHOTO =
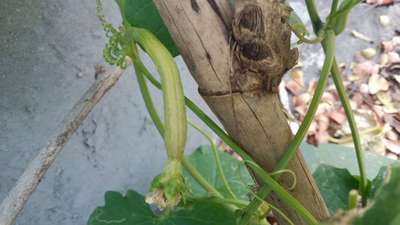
34,172
238,66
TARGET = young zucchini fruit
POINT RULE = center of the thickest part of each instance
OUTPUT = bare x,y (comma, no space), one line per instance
168,188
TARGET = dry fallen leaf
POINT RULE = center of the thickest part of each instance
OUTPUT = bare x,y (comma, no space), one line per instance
384,59
323,122
302,99
293,87
377,83
298,76
380,2
374,90
338,117
365,69
393,57
392,146
384,97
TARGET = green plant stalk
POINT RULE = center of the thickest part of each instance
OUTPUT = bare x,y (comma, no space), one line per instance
229,141
217,159
337,79
284,195
200,179
313,13
344,99
302,132
147,99
303,39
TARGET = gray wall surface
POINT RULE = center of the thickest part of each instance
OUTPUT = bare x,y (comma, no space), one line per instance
48,52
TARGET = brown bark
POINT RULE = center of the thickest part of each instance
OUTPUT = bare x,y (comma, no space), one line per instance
237,76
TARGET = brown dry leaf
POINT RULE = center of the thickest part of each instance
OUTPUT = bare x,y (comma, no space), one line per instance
364,89
377,83
393,121
328,98
317,138
323,122
392,146
384,97
313,127
391,135
302,99
301,110
392,156
323,108
365,69
396,41
393,57
397,78
298,76
395,92
387,46
293,87
357,99
380,2
375,144
338,117
390,108
384,59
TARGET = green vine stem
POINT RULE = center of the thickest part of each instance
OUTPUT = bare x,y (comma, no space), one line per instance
147,97
302,132
200,179
313,13
283,194
303,39
316,21
337,79
217,159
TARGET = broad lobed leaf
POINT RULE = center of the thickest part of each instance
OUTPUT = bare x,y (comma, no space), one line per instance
236,172
131,209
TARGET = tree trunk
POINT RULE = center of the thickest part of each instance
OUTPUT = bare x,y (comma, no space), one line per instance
238,58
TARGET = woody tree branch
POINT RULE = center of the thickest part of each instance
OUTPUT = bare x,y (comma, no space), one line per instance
238,58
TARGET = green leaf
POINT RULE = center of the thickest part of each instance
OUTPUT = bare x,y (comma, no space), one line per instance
235,171
343,157
124,210
378,181
335,185
132,210
386,206
144,14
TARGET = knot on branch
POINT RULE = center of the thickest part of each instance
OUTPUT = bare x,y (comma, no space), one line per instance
260,45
